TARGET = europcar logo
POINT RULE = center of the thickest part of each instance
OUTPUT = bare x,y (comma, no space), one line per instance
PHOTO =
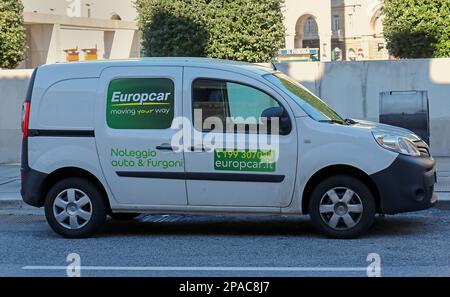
140,103
139,99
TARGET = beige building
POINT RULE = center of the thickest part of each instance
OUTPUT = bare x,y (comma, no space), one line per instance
341,29
62,30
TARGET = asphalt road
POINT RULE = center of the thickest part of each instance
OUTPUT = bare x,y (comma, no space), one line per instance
409,245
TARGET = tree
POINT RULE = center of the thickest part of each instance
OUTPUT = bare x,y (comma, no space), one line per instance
243,30
12,33
172,27
417,28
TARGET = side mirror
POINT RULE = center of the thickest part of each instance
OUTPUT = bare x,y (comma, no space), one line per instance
273,112
283,117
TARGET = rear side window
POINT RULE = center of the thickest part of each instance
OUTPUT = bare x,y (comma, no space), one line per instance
140,103
240,104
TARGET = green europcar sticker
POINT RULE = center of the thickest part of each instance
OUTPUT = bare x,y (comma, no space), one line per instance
245,160
140,103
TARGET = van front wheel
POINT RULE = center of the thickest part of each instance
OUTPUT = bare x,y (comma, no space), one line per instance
342,207
74,208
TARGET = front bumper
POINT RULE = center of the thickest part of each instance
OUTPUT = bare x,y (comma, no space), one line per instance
407,185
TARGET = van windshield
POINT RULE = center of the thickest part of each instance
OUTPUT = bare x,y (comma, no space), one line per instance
311,104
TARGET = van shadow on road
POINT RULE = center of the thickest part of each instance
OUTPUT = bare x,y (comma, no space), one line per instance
253,226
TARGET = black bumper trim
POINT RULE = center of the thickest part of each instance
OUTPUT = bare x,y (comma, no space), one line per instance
32,189
406,185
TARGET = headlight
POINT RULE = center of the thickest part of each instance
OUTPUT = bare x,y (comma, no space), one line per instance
396,143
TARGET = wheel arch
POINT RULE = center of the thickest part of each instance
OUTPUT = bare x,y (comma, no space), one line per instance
68,172
334,170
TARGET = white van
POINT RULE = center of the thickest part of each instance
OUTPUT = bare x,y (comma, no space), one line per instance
120,138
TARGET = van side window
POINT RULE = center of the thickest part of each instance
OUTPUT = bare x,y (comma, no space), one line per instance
239,103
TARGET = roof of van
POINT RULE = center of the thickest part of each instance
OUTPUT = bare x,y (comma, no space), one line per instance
94,68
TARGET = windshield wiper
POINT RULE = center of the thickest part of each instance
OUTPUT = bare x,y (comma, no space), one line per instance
334,122
351,122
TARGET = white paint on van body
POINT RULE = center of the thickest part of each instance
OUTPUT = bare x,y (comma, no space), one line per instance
310,147
139,191
68,105
239,194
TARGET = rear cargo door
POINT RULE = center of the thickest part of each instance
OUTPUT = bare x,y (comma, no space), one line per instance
133,134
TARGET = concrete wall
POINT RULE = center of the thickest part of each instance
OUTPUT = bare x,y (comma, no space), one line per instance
13,86
353,88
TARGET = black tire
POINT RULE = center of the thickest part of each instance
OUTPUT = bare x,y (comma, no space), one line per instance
362,218
96,208
122,216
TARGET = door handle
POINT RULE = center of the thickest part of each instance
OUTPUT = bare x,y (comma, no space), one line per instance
199,149
165,147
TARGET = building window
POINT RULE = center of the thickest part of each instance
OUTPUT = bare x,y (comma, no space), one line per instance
336,23
309,25
378,26
88,10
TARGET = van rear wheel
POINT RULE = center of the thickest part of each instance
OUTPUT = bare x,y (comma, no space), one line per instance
342,207
74,208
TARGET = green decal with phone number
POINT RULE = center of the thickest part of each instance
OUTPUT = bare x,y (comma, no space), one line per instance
245,160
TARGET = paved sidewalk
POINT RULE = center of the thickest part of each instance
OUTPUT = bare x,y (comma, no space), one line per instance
9,181
443,186
10,199
10,184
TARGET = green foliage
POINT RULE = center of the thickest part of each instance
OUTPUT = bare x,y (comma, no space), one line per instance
243,30
12,33
417,28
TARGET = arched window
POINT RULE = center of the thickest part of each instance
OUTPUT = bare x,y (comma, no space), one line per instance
310,26
378,26
376,22
116,17
306,32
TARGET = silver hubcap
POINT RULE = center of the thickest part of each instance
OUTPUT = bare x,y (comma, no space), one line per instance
72,209
341,208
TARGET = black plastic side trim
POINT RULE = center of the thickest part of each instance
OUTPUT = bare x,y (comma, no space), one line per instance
242,177
162,175
407,184
32,186
60,133
239,177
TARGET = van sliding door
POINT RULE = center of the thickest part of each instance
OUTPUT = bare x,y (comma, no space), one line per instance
134,132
